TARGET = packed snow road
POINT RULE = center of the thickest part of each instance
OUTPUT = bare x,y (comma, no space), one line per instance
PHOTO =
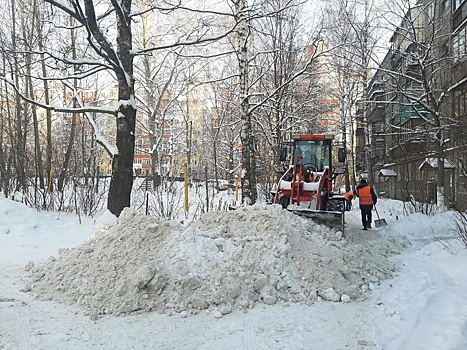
28,323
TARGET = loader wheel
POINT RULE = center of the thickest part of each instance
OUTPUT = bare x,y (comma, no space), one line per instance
284,201
324,199
336,205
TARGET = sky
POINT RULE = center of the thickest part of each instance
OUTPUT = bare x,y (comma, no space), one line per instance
422,304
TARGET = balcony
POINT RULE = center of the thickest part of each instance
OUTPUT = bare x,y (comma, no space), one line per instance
409,149
410,112
376,112
459,70
412,69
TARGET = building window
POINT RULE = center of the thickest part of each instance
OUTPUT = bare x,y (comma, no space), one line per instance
462,42
457,4
459,44
459,102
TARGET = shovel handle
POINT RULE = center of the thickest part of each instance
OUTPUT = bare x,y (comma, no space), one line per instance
377,213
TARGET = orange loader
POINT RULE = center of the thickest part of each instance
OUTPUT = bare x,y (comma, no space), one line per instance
306,186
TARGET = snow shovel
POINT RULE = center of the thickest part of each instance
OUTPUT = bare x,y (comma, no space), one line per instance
380,222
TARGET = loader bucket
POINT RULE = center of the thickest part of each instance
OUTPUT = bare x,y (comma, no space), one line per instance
333,219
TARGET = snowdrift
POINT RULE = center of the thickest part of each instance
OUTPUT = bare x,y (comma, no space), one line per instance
222,262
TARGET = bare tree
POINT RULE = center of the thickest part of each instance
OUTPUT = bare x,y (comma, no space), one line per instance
223,129
287,95
352,31
275,69
111,51
249,191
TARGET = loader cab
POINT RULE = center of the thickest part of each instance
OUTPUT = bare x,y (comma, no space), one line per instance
316,154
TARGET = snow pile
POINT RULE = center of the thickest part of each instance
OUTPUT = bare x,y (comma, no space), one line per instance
224,261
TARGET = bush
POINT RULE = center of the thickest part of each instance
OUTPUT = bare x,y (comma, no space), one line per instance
460,226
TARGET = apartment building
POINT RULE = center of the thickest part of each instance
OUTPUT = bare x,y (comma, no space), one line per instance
409,138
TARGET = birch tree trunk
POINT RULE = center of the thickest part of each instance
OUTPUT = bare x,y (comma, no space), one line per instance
249,191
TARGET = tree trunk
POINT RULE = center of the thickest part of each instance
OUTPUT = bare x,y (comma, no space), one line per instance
49,150
440,191
37,141
121,182
19,145
122,164
153,107
71,140
249,192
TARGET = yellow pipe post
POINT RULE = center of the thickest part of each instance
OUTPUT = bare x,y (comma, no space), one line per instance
185,171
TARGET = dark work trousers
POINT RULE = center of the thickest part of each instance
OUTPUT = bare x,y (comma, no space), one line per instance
366,215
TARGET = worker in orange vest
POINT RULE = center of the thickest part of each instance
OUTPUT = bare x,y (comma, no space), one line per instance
348,200
366,198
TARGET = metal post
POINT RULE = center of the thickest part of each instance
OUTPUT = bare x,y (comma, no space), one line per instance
207,188
185,170
147,202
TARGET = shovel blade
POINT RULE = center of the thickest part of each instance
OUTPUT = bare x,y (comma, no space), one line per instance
380,223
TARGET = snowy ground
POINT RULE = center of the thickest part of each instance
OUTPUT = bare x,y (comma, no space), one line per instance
423,306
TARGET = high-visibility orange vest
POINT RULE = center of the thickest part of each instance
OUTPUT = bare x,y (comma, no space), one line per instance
364,195
348,195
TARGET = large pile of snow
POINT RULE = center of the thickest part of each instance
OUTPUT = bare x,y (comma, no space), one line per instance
224,261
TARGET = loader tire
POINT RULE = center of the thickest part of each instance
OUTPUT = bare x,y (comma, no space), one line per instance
284,201
336,205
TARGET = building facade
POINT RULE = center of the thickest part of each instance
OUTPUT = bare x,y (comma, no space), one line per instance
409,138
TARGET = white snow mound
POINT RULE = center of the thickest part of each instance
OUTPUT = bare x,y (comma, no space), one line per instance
224,261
